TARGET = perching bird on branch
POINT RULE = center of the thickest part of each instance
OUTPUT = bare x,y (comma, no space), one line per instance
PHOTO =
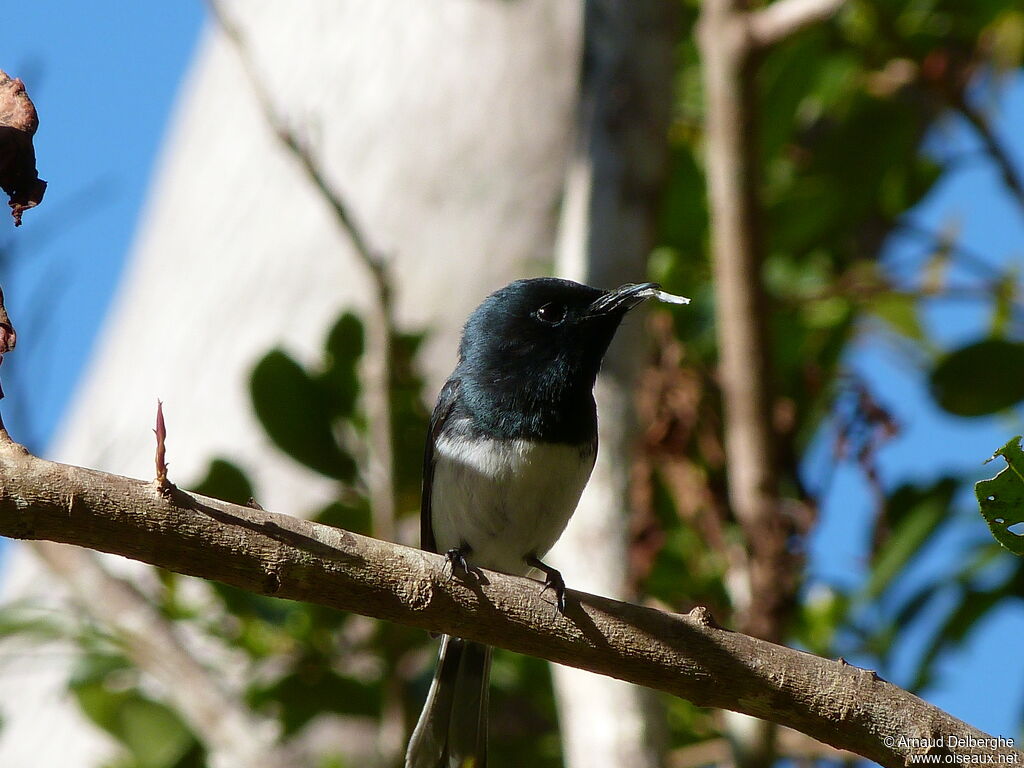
512,442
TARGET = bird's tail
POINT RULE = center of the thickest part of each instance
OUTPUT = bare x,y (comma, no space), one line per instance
452,729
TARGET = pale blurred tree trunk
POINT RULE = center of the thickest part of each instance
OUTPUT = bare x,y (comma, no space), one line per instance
607,231
446,126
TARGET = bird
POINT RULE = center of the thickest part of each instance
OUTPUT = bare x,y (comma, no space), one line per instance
510,447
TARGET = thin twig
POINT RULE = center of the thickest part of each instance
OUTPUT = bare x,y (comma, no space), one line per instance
381,329
993,146
937,241
784,18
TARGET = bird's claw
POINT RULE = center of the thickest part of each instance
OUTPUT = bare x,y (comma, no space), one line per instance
456,557
553,580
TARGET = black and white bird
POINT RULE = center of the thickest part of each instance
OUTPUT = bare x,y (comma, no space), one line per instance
512,442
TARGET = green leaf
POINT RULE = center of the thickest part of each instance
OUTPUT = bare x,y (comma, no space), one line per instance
295,411
314,689
342,350
899,310
826,313
1004,295
1006,35
352,517
819,618
1002,498
981,378
225,481
247,605
153,734
345,339
409,419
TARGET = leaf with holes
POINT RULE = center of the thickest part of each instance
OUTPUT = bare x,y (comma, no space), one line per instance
1002,498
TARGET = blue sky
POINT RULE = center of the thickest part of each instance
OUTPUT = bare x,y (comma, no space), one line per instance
982,684
104,99
103,76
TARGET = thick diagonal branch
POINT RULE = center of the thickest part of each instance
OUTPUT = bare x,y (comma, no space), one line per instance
267,553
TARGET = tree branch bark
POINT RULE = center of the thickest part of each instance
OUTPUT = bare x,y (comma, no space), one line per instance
272,554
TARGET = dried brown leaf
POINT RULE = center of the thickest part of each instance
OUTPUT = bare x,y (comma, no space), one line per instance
18,123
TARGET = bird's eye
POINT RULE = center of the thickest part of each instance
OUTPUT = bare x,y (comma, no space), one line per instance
552,313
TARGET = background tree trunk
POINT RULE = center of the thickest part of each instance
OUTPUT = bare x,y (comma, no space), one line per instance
451,150
607,232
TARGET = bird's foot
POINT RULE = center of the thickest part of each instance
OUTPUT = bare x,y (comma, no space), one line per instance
456,557
552,580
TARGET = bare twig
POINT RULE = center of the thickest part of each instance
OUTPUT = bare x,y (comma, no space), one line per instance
783,18
280,555
939,241
381,331
993,146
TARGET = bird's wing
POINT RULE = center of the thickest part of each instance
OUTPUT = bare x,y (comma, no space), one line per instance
442,411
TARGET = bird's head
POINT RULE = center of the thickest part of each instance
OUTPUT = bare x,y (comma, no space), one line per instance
537,344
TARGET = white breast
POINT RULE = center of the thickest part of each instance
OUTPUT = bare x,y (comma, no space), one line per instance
506,499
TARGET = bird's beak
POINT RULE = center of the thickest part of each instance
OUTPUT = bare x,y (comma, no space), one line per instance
624,298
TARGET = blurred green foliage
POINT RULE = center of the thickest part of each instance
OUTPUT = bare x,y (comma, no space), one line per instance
981,378
844,111
107,690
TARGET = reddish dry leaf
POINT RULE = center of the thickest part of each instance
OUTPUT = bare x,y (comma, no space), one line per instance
8,338
161,445
18,123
